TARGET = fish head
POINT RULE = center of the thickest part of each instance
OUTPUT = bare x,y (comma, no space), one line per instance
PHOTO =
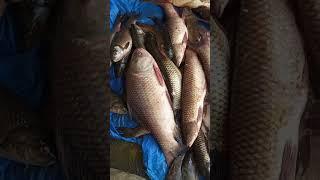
117,53
141,61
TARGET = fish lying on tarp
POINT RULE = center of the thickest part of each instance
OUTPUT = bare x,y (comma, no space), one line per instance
79,100
149,103
270,87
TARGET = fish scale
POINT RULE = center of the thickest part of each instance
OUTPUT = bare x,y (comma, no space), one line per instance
219,97
265,102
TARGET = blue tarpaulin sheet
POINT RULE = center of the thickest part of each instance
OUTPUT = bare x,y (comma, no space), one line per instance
153,157
22,73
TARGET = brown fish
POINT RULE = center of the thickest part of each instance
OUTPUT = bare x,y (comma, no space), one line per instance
269,91
170,72
219,96
178,32
122,41
202,48
149,102
308,12
79,99
194,89
138,36
201,154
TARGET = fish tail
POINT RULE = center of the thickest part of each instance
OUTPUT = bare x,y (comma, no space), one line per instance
219,166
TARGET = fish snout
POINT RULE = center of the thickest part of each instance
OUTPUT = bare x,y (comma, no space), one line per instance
117,54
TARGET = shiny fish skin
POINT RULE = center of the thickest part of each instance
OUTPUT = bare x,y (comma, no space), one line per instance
149,102
177,31
269,89
201,155
171,73
308,13
138,36
219,85
79,99
194,89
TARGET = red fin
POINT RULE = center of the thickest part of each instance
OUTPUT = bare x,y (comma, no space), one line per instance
158,74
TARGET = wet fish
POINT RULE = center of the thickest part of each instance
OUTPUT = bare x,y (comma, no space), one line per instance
79,98
269,90
188,168
122,41
138,36
201,154
170,72
308,13
202,48
186,3
218,7
149,102
178,32
194,89
219,93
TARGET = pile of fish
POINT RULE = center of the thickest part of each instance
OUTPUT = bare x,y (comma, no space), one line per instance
166,69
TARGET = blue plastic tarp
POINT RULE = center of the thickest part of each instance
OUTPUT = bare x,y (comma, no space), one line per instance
153,158
22,73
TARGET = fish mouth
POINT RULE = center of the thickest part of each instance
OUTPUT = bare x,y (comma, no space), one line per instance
117,54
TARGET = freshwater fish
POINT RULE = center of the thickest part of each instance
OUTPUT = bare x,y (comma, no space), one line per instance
203,12
269,91
170,72
177,30
149,103
308,13
201,154
137,35
79,100
194,90
219,95
121,43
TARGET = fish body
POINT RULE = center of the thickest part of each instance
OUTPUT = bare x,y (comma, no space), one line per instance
178,32
78,100
219,85
308,13
202,48
269,90
138,36
149,102
170,72
201,154
194,89
203,12
189,171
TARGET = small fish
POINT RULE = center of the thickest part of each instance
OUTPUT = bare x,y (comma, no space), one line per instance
149,103
122,41
194,90
177,31
170,72
138,36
